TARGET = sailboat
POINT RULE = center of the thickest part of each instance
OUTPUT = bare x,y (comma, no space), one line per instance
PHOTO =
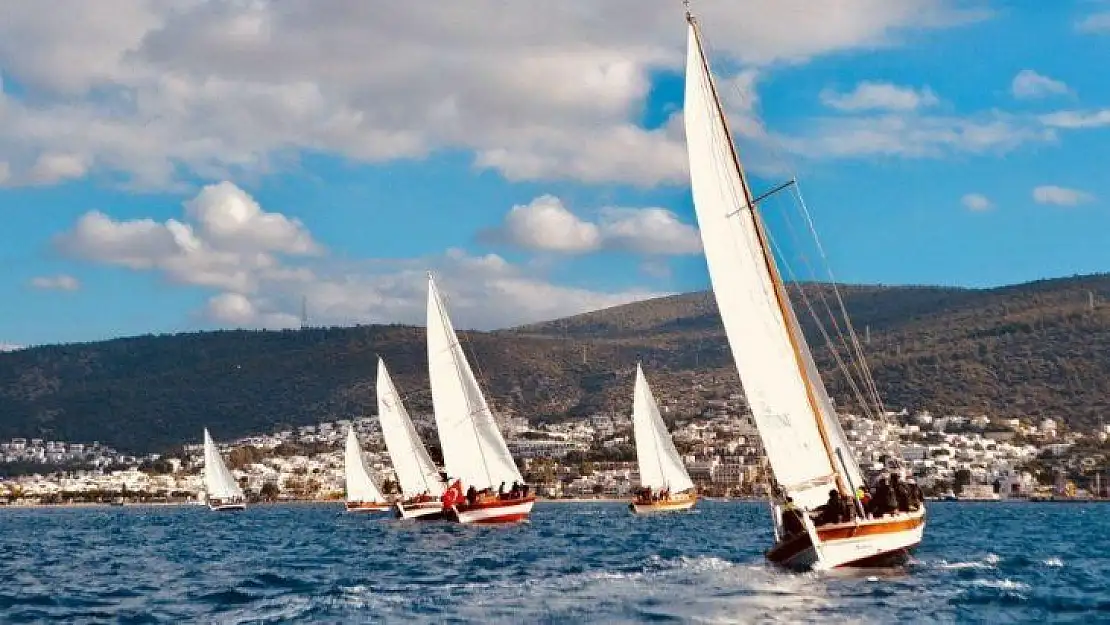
363,495
421,485
808,453
221,490
665,484
474,453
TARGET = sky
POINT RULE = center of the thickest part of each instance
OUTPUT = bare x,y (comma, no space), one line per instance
179,165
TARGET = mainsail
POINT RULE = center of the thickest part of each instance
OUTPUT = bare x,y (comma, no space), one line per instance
360,486
219,483
804,443
473,449
415,470
660,465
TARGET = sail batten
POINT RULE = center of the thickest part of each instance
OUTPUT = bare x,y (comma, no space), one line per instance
473,448
758,320
659,462
416,472
219,483
360,486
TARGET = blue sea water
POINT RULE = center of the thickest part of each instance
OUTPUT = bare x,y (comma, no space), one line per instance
590,562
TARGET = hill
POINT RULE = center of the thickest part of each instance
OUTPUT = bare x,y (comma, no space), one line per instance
1035,349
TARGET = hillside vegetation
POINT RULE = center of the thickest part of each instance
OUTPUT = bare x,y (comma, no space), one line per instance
1035,349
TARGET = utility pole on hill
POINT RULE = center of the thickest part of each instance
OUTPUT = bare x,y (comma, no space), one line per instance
304,312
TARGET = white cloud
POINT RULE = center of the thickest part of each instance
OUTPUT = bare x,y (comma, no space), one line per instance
1095,23
881,96
1028,84
532,89
61,282
5,172
1077,119
547,225
1060,196
231,246
976,202
916,136
258,277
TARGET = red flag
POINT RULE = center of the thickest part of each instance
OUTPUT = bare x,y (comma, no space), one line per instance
453,495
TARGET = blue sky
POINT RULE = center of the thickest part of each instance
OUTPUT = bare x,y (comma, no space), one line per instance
206,164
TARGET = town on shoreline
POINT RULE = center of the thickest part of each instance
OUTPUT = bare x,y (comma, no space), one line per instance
592,458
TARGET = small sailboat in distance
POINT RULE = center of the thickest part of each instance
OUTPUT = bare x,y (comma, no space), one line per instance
474,453
363,495
805,445
665,486
421,484
221,491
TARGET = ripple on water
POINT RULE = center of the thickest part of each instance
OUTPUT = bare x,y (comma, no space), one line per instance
572,563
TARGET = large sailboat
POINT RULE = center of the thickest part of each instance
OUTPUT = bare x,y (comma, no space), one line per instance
221,491
665,486
474,453
808,453
421,484
363,494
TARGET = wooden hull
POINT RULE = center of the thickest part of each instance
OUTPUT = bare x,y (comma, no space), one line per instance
677,504
882,542
493,511
367,506
421,511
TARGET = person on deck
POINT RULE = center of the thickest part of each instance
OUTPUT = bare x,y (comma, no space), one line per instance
916,496
901,493
833,511
792,518
471,495
883,502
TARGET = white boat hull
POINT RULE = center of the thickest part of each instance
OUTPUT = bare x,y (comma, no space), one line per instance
226,507
367,506
424,511
871,543
510,511
673,505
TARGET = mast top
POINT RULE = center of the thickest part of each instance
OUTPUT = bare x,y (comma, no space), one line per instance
686,5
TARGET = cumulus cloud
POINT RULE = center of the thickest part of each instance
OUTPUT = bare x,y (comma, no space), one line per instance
1060,196
1028,84
546,90
882,96
61,282
258,266
976,202
230,244
545,224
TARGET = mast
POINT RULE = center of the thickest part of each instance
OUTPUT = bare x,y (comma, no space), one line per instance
781,299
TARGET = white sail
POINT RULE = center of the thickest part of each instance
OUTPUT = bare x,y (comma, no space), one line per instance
769,354
660,465
473,449
415,470
360,486
219,483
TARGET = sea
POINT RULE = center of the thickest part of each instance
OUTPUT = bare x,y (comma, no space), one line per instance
572,563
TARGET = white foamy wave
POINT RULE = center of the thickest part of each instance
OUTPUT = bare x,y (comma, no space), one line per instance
1002,584
988,562
1053,562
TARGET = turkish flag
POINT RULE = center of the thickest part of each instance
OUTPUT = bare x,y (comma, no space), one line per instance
453,495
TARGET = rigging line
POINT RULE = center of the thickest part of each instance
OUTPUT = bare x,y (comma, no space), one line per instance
865,402
843,309
824,333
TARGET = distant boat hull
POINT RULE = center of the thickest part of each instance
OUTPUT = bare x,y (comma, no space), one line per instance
421,510
883,542
367,506
678,503
494,511
226,506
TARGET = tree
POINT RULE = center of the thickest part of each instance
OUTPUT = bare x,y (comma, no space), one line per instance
270,491
963,478
598,489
